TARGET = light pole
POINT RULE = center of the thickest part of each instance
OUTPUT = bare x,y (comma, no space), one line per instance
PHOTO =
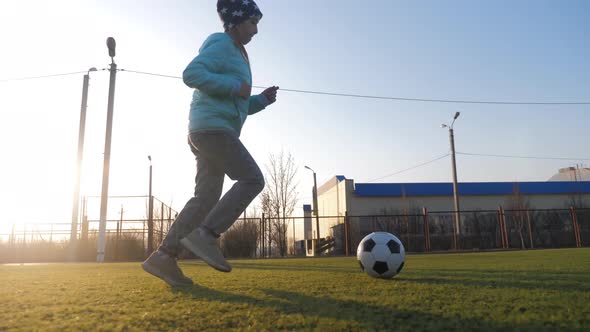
150,245
454,164
81,131
107,155
315,204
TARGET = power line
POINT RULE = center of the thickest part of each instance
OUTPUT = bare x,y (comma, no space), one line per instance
43,76
518,157
393,98
435,100
449,101
151,74
475,154
411,168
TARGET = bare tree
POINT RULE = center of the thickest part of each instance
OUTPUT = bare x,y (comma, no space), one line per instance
280,196
519,207
278,235
242,239
267,210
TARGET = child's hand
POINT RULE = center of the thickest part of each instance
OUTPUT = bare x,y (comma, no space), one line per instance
245,90
271,93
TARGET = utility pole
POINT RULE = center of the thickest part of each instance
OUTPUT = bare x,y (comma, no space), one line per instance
455,184
317,210
76,200
107,155
315,204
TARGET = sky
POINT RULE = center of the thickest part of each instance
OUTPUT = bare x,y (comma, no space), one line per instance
524,51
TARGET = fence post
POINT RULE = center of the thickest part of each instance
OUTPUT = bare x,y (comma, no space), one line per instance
455,237
501,228
260,238
528,217
143,237
506,238
505,229
426,230
118,234
262,234
269,238
346,232
575,226
12,239
169,217
161,222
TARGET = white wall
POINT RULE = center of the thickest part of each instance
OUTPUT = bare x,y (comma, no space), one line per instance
337,198
375,205
332,201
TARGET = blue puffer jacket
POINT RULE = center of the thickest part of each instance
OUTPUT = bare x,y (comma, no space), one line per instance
216,74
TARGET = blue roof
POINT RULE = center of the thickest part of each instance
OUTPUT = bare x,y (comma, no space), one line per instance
472,188
340,178
307,207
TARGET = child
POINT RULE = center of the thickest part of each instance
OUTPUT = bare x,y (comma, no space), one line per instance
221,77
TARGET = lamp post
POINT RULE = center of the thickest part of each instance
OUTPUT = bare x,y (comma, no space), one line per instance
81,131
150,246
107,155
315,204
454,164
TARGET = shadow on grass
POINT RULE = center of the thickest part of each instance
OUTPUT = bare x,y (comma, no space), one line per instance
525,279
353,314
578,275
303,268
540,280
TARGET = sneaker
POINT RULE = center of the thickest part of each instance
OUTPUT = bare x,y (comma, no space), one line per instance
204,244
166,268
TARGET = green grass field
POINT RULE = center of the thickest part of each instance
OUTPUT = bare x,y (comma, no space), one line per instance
501,291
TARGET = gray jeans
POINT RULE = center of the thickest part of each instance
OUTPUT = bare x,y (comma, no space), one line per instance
218,153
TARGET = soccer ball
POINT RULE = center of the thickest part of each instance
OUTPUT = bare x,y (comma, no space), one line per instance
381,255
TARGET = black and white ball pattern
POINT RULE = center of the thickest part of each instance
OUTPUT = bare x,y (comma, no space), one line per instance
381,255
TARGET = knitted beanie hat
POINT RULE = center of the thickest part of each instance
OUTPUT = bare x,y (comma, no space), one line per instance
234,12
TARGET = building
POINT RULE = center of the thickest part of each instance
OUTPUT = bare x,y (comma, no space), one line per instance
572,174
340,196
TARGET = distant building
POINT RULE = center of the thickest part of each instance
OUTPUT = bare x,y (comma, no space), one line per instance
340,196
572,174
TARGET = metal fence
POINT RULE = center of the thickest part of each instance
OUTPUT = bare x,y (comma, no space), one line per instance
423,231
126,237
430,231
478,230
